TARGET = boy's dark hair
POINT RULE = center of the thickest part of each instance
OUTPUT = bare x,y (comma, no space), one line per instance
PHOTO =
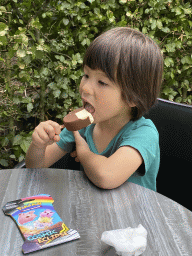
132,60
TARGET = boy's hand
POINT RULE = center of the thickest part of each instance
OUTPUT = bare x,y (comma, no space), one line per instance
81,147
74,154
46,133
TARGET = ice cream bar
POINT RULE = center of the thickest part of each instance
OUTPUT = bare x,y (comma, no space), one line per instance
78,119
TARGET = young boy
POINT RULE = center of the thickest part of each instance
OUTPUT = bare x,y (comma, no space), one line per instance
122,77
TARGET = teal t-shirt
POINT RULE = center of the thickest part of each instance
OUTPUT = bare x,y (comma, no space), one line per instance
141,135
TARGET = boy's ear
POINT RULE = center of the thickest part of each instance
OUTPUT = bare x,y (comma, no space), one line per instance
132,105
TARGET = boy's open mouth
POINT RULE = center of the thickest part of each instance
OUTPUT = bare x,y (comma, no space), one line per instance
89,107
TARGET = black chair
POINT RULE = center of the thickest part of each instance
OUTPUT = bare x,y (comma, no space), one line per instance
174,124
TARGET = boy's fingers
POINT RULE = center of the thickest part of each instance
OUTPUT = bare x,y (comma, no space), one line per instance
56,138
49,129
44,135
57,127
78,138
73,154
40,139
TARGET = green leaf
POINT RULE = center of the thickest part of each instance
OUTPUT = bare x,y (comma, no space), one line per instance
17,140
12,156
159,24
2,9
169,91
62,59
178,11
27,59
25,144
88,41
190,23
4,162
44,71
3,26
73,77
29,107
129,14
52,85
3,29
56,93
32,35
185,84
153,25
11,52
172,75
166,29
5,142
170,47
3,40
186,59
144,30
65,22
168,62
122,1
39,54
91,1
36,24
39,48
84,42
82,6
21,158
25,75
21,53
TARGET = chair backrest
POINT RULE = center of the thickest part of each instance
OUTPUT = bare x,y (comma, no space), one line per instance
174,124
67,162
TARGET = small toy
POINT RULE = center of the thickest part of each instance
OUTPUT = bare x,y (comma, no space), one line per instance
39,223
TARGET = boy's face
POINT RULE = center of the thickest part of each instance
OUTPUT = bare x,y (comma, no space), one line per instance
104,96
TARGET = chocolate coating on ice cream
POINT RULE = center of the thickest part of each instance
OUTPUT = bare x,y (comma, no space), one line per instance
78,119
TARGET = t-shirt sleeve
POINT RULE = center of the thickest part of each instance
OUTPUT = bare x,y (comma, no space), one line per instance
67,140
146,140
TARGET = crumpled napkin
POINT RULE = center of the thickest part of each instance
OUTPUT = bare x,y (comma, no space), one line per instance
127,242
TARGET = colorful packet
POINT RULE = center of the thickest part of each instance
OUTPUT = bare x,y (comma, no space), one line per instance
39,223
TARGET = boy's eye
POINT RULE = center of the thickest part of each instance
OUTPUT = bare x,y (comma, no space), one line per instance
85,76
102,83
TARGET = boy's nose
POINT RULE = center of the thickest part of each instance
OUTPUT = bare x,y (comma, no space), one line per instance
86,88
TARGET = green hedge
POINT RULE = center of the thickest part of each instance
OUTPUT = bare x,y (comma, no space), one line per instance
42,44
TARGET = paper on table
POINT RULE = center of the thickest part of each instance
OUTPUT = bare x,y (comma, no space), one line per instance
127,242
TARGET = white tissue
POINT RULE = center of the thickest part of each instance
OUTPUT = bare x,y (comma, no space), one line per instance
127,242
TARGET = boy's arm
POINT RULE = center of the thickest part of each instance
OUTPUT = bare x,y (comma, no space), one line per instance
92,164
111,172
44,151
43,157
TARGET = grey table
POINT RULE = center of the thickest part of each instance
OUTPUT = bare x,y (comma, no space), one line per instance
91,211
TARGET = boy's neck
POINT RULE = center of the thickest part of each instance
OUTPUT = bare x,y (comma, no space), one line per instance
110,127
